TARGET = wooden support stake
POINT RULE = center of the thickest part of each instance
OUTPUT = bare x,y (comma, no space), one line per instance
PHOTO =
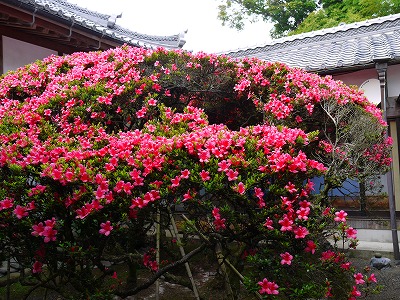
224,260
8,289
178,240
158,236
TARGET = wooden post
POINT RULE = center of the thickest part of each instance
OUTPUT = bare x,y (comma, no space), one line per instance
381,67
227,283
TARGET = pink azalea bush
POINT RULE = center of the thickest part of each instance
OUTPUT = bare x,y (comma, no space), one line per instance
93,144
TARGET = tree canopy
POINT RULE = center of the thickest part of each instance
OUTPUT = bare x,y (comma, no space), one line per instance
294,16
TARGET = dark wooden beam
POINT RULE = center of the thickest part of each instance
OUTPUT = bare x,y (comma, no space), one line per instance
39,41
63,28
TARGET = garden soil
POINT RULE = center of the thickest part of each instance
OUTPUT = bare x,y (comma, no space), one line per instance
210,289
388,278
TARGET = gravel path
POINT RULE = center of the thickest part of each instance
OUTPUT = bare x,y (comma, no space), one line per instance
389,278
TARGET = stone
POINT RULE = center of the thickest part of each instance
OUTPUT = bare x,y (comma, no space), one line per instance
379,262
15,265
3,270
106,263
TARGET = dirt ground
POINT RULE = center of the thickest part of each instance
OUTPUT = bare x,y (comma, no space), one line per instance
210,289
388,278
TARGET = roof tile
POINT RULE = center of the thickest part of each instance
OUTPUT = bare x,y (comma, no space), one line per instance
97,22
346,46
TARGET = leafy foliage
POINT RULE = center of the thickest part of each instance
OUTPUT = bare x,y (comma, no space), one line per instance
294,17
348,11
97,148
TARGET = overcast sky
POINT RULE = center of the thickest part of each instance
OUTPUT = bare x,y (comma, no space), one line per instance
169,17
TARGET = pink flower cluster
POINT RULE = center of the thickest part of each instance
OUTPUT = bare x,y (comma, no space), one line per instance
148,262
219,222
45,230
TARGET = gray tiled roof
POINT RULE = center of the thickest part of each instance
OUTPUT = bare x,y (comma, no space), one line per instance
100,23
347,46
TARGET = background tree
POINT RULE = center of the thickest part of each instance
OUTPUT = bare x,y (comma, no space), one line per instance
347,11
293,16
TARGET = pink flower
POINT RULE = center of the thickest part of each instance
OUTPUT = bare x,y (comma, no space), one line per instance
37,229
300,232
219,222
351,233
291,188
268,223
241,189
355,292
146,259
232,175
20,212
152,102
340,216
310,108
31,205
326,211
223,166
205,175
47,230
204,155
258,192
175,181
268,287
372,278
153,265
311,247
286,224
346,265
286,258
302,213
37,267
327,255
328,293
106,228
185,174
359,278
141,113
187,196
6,203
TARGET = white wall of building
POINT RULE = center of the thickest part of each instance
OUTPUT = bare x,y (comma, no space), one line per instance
17,53
357,78
393,80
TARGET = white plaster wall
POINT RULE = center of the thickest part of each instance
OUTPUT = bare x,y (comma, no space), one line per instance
358,77
393,80
17,53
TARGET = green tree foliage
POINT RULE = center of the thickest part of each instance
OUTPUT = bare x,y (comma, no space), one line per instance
334,13
295,16
286,15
